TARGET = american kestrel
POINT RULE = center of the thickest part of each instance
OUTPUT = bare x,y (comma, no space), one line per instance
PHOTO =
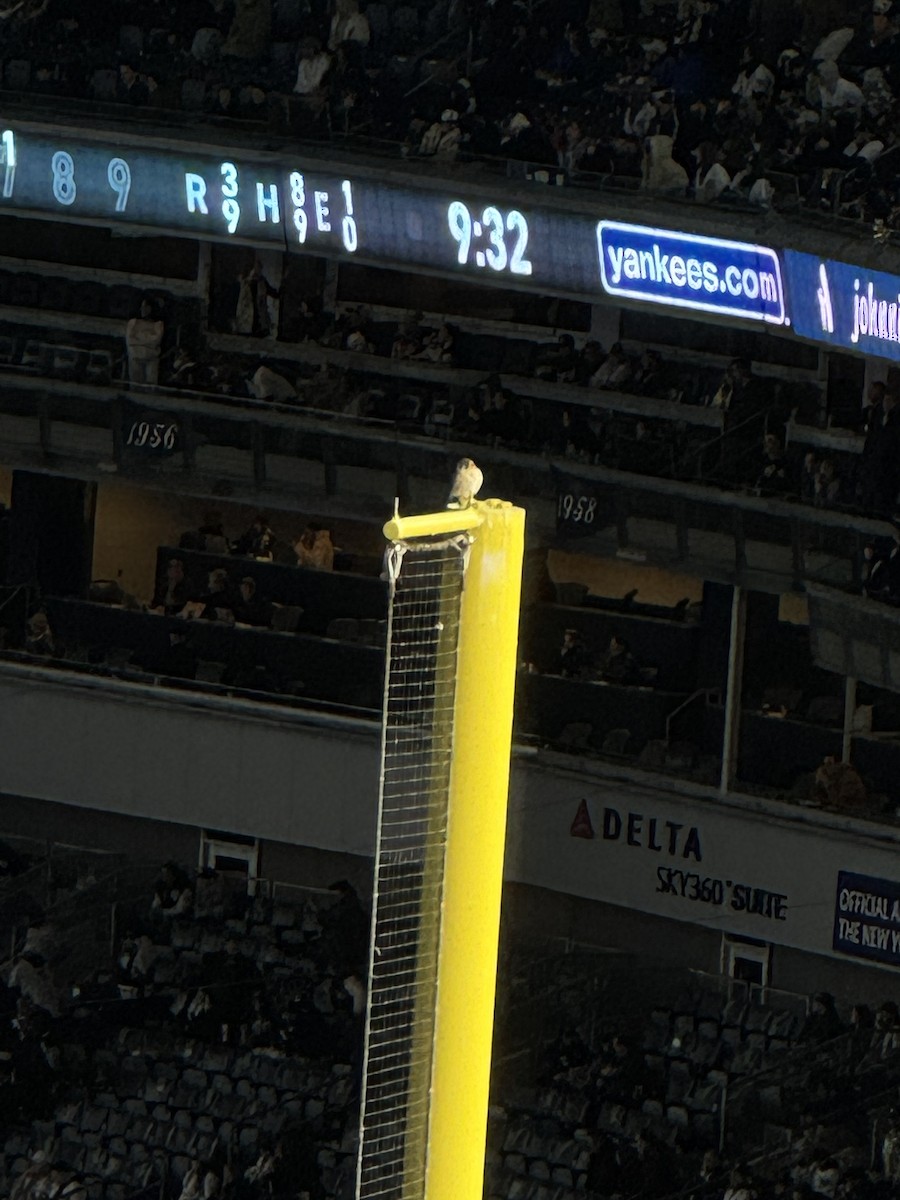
467,482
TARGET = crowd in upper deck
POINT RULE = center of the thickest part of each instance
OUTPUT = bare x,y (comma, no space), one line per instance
723,100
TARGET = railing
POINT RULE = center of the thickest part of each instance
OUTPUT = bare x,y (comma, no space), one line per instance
218,695
359,141
711,529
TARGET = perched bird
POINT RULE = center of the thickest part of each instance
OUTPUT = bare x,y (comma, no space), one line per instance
467,482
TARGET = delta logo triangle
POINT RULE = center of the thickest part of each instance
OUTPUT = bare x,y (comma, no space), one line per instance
581,826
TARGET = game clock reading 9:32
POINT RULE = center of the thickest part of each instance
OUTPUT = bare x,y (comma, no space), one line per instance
493,240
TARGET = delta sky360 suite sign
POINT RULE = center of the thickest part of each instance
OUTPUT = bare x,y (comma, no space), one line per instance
274,201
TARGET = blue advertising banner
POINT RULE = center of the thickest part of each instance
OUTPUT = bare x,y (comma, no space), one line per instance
685,270
867,918
844,305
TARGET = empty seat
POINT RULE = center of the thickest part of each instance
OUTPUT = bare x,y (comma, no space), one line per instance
90,298
55,294
104,84
576,735
344,629
122,301
209,672
193,94
17,75
99,367
572,594
684,1024
66,362
35,356
826,710
206,44
119,656
616,741
286,617
757,1020
23,290
131,41
372,632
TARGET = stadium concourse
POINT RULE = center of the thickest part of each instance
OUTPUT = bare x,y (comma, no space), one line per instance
266,265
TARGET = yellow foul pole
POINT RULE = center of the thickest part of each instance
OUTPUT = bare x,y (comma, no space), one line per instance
473,870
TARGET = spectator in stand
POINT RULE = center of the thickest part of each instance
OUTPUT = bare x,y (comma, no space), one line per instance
557,361
710,179
616,371
881,455
651,378
574,656
313,64
744,398
253,105
173,895
438,346
618,664
886,1035
187,370
39,638
212,534
832,93
590,359
772,479
879,45
889,575
838,784
33,979
809,472
266,384
252,316
143,339
328,388
500,421
216,603
825,1178
348,25
827,486
659,171
873,397
301,317
580,434
350,90
171,593
250,34
258,541
521,141
132,88
739,1186
621,1072
823,1022
443,138
314,548
874,570
250,609
406,345
232,980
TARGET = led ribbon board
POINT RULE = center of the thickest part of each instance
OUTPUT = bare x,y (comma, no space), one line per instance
843,305
292,202
683,270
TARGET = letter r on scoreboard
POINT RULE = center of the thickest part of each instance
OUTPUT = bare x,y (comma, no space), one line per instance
685,270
